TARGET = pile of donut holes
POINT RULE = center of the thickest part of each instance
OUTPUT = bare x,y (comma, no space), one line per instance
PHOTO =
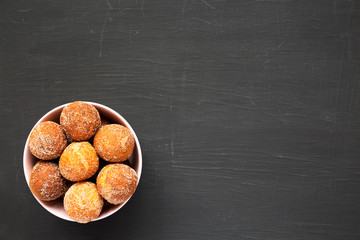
82,146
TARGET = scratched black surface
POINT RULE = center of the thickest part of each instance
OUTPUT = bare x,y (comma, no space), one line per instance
247,113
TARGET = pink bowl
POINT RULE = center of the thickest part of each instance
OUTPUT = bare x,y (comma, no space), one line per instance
56,207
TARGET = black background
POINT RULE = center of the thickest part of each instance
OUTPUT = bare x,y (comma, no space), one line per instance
247,112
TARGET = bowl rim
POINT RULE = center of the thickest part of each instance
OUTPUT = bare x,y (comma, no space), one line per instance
96,105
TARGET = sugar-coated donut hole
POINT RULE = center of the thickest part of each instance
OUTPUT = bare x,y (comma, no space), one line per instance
82,202
116,183
47,141
46,182
114,143
79,161
80,120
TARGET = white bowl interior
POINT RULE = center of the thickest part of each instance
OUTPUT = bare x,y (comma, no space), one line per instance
56,206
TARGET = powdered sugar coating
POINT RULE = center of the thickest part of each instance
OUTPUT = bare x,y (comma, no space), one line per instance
116,183
46,182
82,202
114,143
47,141
80,120
79,161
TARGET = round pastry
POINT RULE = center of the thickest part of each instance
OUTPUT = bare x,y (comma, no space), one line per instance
114,143
46,182
78,161
82,202
116,183
80,120
47,141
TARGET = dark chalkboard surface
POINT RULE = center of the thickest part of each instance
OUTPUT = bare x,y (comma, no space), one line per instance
248,112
